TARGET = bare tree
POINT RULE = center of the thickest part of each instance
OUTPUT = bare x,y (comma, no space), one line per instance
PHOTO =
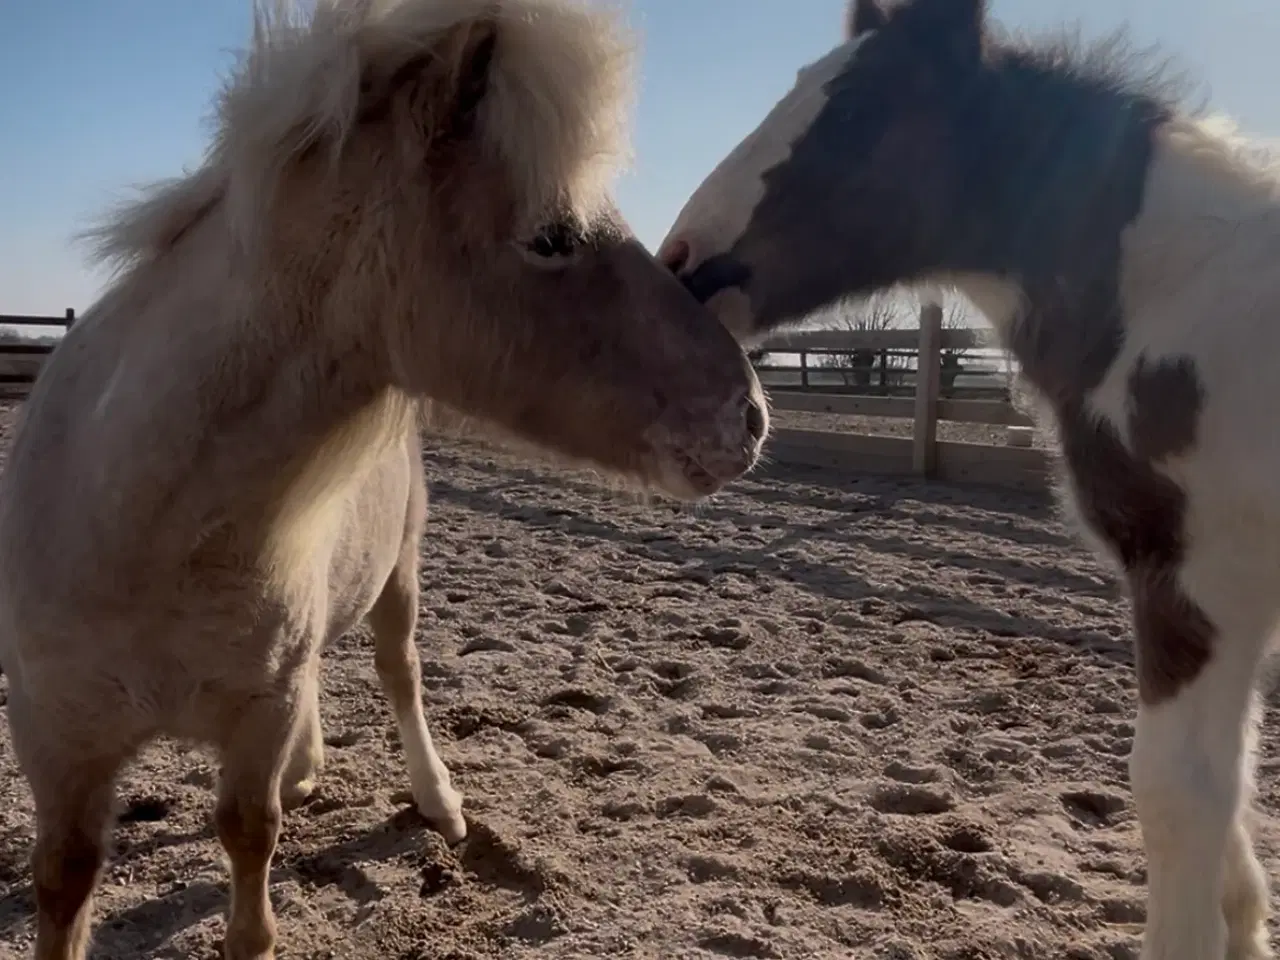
885,310
880,311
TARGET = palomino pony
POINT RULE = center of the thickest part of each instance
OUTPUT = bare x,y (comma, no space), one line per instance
219,469
1128,254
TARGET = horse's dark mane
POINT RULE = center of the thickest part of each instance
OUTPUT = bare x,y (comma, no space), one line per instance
1111,64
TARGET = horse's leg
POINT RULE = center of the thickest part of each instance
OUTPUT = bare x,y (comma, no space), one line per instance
71,767
1189,768
393,621
306,759
248,813
1245,901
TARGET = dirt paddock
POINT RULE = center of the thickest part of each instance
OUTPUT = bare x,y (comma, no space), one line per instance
818,717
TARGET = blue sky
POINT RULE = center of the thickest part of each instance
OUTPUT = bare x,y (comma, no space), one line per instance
99,96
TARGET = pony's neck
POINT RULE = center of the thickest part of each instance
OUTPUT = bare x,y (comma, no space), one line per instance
237,422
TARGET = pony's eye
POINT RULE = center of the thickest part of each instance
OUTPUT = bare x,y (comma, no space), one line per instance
555,240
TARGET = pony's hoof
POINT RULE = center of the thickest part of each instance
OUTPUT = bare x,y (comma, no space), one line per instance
442,808
294,795
451,826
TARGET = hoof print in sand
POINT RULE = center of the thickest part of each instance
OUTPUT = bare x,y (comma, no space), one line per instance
1092,808
146,810
733,944
967,839
726,637
577,698
910,799
688,805
436,878
918,858
465,720
864,890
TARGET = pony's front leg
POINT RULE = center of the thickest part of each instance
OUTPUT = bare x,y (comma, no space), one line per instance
306,759
248,812
393,620
1190,773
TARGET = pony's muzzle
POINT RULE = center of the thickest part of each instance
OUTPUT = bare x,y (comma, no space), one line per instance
702,455
736,448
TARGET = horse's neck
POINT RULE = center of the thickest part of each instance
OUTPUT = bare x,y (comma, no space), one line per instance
1209,217
183,418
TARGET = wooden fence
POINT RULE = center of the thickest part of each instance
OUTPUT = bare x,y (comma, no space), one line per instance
21,358
1014,464
878,363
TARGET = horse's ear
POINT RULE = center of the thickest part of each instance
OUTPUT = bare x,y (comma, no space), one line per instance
863,15
953,29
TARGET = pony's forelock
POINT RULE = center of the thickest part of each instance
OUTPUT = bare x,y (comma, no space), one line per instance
556,110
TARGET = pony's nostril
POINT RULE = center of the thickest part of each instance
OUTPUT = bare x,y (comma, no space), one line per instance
675,255
755,419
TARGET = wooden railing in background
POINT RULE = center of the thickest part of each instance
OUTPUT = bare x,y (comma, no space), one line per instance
22,358
1013,464
877,358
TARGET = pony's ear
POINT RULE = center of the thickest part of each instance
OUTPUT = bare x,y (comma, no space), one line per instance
863,15
468,55
449,80
952,29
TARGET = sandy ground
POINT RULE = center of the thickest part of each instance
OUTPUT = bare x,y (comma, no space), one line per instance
818,717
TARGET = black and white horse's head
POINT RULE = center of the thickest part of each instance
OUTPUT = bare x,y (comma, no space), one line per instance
923,147
833,192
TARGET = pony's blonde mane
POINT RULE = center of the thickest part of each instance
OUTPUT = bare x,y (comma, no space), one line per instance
556,111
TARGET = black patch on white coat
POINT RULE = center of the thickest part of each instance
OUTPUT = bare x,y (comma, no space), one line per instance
1165,400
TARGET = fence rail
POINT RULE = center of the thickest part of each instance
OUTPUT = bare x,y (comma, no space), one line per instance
880,362
21,360
1015,464
843,341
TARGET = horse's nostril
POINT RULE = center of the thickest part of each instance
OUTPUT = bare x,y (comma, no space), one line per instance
675,255
755,419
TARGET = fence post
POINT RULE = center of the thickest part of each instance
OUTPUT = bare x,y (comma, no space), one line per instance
70,317
804,370
928,381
